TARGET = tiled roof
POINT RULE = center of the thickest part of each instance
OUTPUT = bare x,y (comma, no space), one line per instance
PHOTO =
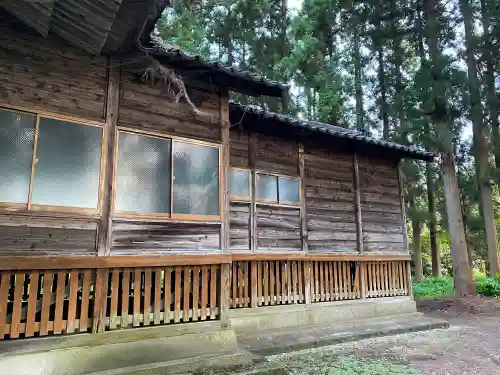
335,131
237,79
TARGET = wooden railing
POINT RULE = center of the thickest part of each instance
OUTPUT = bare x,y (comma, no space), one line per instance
264,280
42,296
52,296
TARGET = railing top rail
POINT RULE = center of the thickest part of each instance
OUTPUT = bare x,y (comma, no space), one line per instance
321,257
15,263
100,262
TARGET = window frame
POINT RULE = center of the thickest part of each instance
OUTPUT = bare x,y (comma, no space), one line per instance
171,216
278,203
29,206
253,194
238,198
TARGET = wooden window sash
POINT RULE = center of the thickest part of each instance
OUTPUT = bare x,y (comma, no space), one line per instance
242,198
278,203
28,206
168,216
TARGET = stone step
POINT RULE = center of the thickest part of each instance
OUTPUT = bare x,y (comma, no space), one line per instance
275,341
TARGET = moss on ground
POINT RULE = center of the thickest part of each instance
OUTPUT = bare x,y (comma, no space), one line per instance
348,365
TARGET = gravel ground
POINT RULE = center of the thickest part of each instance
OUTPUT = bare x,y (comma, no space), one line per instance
470,346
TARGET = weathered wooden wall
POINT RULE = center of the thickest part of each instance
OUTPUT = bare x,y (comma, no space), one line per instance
149,238
380,206
44,76
145,106
40,74
330,199
329,182
41,235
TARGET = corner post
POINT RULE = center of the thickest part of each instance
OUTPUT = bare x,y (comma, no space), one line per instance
405,229
109,137
359,223
252,146
106,193
303,209
225,276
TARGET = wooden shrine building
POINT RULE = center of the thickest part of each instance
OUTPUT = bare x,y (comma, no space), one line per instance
123,207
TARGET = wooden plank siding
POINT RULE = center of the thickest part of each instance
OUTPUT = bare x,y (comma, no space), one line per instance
380,206
43,75
278,228
330,201
146,107
38,235
134,238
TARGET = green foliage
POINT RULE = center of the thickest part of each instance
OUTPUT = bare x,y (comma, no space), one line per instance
440,287
488,286
433,287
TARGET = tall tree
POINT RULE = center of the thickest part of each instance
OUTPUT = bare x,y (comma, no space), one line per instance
481,146
442,118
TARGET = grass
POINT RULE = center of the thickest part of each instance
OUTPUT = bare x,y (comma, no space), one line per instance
440,287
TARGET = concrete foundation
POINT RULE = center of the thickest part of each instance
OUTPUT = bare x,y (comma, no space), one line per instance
273,317
195,346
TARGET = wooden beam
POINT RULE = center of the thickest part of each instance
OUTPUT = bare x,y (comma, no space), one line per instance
403,207
125,261
88,262
303,207
252,146
357,205
225,169
318,257
110,129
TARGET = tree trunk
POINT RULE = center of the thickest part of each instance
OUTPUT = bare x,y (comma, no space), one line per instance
480,142
462,278
384,115
492,99
360,116
417,256
398,76
432,222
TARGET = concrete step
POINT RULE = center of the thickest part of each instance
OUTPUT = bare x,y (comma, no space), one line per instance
238,363
270,342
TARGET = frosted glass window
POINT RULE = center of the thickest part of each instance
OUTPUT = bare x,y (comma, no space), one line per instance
67,165
196,179
239,184
17,133
267,188
143,174
288,190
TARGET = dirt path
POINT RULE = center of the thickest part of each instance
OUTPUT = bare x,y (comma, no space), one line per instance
470,346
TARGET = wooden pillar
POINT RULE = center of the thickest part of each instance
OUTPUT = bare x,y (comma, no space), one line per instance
100,301
307,281
403,207
254,282
303,208
404,225
357,205
106,194
359,223
225,276
106,199
252,145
